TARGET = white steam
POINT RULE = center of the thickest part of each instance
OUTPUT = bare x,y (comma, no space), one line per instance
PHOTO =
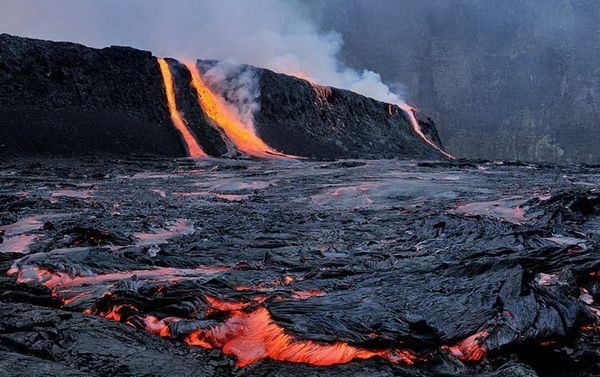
238,85
275,34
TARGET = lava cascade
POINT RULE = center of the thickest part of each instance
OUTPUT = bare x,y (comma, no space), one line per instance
242,137
192,146
410,111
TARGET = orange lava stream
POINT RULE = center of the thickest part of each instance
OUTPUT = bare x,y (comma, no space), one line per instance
214,107
417,129
253,336
192,146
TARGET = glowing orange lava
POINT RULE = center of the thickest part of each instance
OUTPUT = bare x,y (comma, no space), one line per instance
114,313
242,136
253,336
192,146
471,348
417,129
159,327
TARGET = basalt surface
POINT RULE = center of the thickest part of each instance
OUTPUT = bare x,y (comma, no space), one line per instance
64,99
284,267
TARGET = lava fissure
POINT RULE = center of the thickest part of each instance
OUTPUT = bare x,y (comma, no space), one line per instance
191,144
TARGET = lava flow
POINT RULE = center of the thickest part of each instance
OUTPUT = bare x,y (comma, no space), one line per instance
192,146
254,336
242,137
410,111
61,280
471,348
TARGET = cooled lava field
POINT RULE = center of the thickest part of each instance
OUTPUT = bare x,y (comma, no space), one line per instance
288,267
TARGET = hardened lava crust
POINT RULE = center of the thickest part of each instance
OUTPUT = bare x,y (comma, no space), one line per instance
158,267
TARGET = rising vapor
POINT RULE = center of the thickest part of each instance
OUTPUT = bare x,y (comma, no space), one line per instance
278,35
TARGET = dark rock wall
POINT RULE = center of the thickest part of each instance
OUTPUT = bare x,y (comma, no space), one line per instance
64,98
67,99
308,120
512,79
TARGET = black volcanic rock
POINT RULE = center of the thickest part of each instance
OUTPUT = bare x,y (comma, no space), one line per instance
67,99
378,254
59,98
317,121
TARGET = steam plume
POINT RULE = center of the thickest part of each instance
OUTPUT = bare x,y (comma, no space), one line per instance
269,33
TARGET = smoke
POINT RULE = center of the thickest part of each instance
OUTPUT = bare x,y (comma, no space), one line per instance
275,34
237,85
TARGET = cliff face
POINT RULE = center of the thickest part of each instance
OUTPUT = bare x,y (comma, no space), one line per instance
516,79
64,98
67,99
316,119
305,119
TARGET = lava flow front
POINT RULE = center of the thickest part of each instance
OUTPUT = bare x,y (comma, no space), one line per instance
242,136
420,268
191,145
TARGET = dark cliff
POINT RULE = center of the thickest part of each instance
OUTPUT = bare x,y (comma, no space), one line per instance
64,98
60,98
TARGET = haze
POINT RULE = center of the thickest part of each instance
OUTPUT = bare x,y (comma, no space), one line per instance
513,79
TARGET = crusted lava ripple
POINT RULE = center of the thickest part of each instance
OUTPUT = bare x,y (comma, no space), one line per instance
291,267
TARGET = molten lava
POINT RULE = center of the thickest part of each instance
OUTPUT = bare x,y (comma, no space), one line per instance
410,111
253,336
159,327
242,136
471,348
192,146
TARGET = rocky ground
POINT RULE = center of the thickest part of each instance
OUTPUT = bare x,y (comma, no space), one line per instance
296,268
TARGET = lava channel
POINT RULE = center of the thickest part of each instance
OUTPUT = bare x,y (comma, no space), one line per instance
191,144
241,135
410,111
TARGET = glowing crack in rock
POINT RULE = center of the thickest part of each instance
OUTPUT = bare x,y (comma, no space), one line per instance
471,348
